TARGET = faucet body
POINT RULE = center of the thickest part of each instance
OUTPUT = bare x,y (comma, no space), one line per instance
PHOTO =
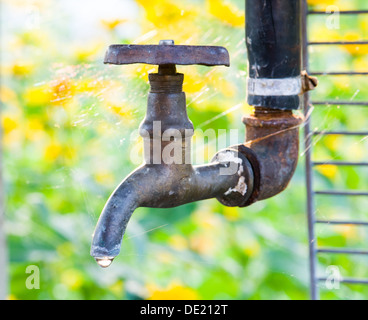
167,178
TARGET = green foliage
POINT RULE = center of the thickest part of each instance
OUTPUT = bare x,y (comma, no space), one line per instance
69,126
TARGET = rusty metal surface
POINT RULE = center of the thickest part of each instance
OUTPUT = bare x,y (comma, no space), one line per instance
308,82
159,184
236,198
167,54
265,162
155,186
273,138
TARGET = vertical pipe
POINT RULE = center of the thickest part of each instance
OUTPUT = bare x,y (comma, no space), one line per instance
273,39
308,166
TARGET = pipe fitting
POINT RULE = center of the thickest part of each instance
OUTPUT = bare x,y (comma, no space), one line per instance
272,148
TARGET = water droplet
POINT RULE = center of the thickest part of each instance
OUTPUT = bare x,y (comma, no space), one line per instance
104,262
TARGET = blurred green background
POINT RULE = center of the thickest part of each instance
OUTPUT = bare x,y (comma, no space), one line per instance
69,126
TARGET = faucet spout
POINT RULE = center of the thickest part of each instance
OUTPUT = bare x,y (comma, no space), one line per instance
228,177
113,221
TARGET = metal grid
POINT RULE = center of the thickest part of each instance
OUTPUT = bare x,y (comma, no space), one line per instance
314,250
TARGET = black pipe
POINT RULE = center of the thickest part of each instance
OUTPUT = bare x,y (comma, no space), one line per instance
273,38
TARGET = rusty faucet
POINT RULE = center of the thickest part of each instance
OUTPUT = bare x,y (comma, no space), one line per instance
167,178
240,175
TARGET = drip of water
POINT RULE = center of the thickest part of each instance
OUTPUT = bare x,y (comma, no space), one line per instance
104,262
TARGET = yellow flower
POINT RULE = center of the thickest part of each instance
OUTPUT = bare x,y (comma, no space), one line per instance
324,2
163,12
72,278
231,213
355,49
226,12
22,69
226,87
348,232
35,124
7,95
53,151
332,142
122,111
361,63
174,291
32,38
112,24
329,171
12,128
37,96
117,288
193,81
83,53
363,25
34,129
165,19
178,242
252,249
70,152
8,124
248,109
62,89
317,32
94,86
104,177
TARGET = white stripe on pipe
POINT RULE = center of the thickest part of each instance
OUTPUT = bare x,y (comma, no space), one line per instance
275,87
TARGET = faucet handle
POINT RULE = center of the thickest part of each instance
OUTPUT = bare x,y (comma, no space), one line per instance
167,53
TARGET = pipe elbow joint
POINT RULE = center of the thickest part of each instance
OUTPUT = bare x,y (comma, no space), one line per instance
272,147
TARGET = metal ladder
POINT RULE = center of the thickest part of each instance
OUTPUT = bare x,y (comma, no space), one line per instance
314,249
